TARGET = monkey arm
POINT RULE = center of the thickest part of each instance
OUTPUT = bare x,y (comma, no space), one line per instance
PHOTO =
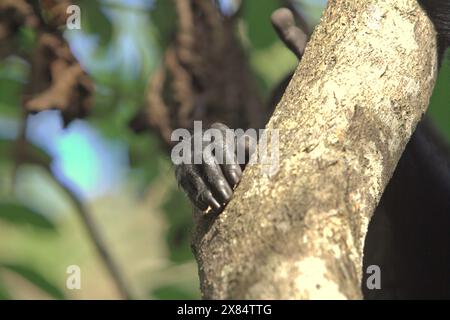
209,185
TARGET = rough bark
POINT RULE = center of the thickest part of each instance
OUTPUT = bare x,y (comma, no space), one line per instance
362,86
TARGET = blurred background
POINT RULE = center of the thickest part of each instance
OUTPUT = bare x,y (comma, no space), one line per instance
94,191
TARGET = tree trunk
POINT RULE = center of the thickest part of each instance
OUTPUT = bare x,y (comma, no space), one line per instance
355,99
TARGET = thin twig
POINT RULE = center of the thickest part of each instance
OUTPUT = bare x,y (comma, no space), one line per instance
99,243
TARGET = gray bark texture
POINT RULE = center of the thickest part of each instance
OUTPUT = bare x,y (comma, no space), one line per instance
355,99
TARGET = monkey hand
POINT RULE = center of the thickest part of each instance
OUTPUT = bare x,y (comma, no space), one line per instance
213,171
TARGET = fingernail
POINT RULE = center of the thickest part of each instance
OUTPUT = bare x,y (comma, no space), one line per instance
226,193
234,178
216,205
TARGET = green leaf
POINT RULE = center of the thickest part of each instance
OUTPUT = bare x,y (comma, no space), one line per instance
11,90
6,150
163,16
178,235
94,21
171,293
36,279
18,214
4,294
257,16
27,38
15,69
145,158
439,104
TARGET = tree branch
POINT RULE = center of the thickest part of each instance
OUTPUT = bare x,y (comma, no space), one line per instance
361,88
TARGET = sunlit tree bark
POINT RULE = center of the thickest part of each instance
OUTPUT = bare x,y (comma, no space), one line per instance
362,86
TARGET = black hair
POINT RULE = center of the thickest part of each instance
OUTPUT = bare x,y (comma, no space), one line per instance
439,13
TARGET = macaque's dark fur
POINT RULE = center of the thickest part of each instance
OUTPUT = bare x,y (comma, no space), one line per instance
439,13
409,235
